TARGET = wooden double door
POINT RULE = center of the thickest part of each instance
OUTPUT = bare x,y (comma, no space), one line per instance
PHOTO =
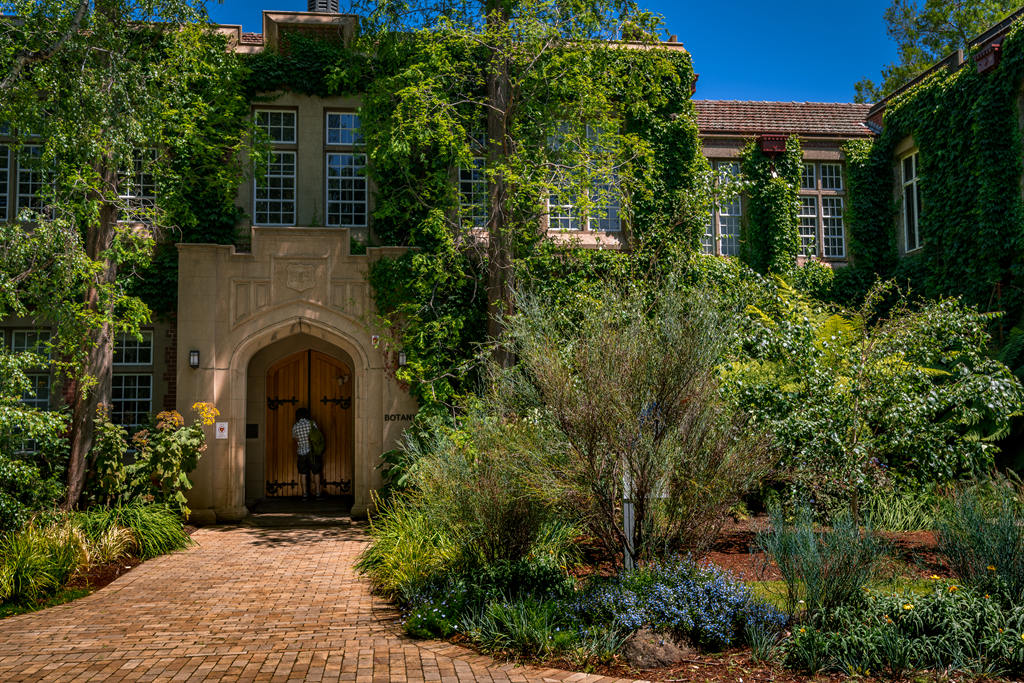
309,379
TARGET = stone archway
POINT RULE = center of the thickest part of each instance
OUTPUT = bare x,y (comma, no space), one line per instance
297,283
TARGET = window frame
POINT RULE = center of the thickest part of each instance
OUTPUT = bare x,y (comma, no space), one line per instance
358,140
814,226
280,150
283,111
146,342
358,179
138,206
836,191
5,182
36,178
913,184
471,196
825,237
115,413
722,213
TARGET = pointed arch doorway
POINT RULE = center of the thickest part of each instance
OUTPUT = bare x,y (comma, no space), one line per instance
322,383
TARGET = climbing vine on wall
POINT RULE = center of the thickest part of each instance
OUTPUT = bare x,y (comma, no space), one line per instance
771,239
965,126
432,300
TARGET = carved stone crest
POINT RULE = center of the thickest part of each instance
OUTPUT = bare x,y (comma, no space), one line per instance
300,277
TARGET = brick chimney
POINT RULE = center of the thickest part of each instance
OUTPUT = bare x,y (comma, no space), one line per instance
323,6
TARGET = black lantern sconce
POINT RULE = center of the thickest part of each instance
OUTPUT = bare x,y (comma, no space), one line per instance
193,359
402,360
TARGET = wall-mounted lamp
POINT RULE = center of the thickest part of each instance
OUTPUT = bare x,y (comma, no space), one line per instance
401,359
193,359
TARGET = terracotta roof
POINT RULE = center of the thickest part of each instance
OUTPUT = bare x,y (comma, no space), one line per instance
252,38
836,119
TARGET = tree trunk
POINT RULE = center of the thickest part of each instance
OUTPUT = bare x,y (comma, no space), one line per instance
99,238
499,247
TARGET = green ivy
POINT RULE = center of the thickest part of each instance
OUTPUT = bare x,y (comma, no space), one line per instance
966,128
771,237
432,301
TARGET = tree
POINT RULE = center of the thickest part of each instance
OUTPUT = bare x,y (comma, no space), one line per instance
99,97
925,34
535,89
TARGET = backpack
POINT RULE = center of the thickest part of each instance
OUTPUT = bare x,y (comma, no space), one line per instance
317,442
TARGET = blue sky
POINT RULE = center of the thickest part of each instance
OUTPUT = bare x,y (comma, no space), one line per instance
743,49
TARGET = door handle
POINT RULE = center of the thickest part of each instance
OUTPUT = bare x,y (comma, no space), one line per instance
342,403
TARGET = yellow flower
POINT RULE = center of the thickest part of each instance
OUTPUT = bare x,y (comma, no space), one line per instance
908,606
991,568
802,630
935,577
954,588
207,412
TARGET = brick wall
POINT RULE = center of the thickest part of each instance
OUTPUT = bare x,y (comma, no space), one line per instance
171,366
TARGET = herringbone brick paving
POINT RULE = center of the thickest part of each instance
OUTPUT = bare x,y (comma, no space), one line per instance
243,604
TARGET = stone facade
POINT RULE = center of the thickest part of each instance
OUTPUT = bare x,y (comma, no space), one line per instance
299,288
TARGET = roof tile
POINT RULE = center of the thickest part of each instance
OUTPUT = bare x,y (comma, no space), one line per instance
837,119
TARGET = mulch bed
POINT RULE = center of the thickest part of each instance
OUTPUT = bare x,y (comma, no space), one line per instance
915,554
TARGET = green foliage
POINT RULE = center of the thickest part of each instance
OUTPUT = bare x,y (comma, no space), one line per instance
620,386
155,528
822,569
23,491
813,279
951,628
901,509
409,548
771,239
157,467
924,34
855,399
971,218
424,102
982,539
39,559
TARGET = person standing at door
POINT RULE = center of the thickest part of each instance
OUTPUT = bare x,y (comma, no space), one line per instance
308,463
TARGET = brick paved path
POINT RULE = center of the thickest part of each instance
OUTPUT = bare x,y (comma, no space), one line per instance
244,604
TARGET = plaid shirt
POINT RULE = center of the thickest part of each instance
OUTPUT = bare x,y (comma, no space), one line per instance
300,432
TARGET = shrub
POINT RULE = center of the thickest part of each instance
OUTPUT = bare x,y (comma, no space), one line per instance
822,568
39,559
155,529
156,468
23,492
982,539
622,395
948,628
884,394
704,604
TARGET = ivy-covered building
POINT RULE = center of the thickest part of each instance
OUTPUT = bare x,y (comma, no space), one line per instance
727,126
936,196
281,311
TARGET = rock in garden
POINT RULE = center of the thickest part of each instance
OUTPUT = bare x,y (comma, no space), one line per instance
647,649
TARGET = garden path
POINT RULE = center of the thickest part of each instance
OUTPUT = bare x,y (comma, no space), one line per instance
243,604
